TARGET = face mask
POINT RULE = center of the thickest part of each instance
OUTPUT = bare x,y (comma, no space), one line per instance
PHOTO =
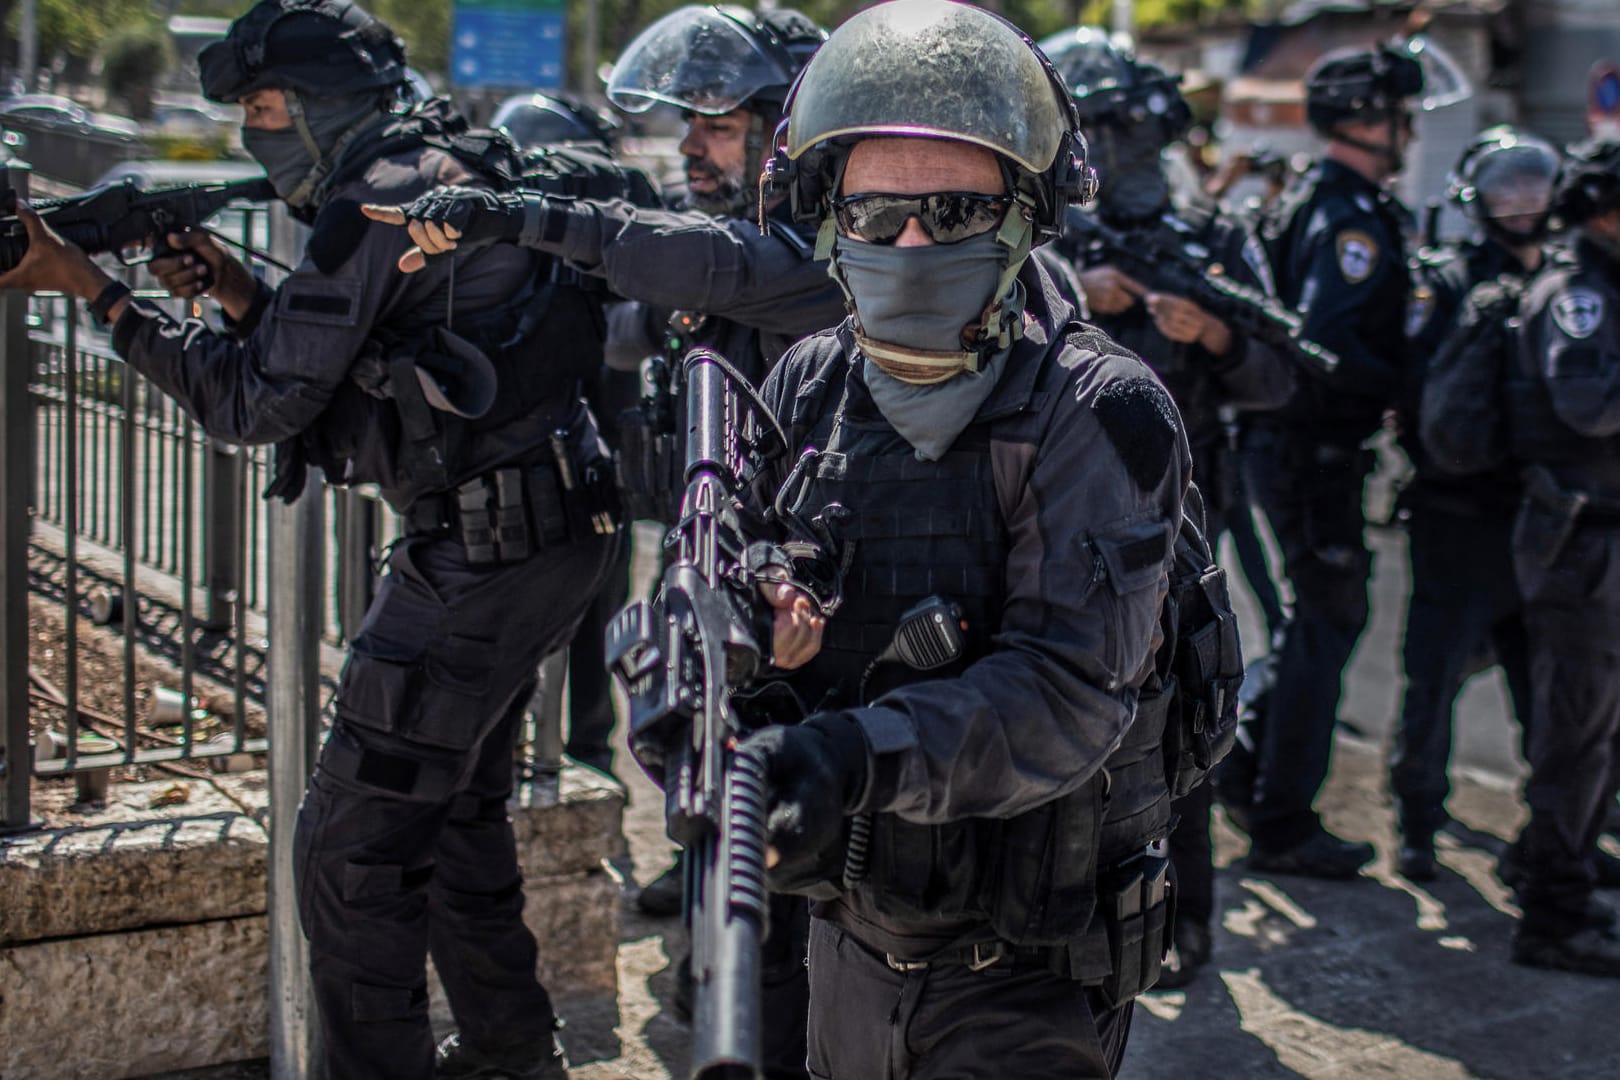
1131,174
931,418
920,297
285,154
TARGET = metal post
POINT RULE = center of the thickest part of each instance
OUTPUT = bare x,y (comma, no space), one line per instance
222,525
28,45
297,554
547,709
297,561
16,477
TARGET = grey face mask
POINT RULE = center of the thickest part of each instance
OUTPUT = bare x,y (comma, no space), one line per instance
920,297
1131,174
931,417
285,154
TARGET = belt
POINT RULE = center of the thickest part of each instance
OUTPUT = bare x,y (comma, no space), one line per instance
995,957
505,515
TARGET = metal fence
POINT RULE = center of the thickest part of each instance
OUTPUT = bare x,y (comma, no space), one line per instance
152,539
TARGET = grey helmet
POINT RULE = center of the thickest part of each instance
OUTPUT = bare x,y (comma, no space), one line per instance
936,69
1506,174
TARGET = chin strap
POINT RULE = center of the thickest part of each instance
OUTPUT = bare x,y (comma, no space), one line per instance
1390,153
999,325
325,162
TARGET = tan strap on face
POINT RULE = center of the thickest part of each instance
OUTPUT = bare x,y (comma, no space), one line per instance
919,367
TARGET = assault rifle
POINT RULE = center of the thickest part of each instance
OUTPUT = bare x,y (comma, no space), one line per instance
680,658
125,220
1177,264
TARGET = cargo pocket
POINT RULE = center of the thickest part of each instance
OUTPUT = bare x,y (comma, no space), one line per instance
380,692
1042,889
455,708
1125,561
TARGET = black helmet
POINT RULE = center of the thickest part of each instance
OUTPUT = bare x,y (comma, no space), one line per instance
322,48
1111,86
1505,173
1371,84
1589,182
937,69
714,59
542,119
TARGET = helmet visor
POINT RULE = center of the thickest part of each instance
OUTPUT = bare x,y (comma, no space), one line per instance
696,59
1443,81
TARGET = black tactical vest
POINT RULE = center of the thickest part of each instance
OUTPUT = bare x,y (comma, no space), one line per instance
921,529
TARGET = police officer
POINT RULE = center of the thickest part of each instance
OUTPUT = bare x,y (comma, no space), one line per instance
1131,112
746,291
1463,598
1334,244
456,391
1560,394
756,291
997,453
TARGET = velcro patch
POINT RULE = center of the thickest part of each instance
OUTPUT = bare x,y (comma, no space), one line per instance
1142,423
1358,255
1135,555
332,302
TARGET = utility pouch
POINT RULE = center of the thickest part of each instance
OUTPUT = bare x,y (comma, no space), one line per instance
649,466
1547,517
1134,902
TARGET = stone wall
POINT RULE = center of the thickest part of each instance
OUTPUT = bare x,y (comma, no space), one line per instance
136,943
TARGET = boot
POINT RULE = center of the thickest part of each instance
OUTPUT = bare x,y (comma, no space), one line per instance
453,1060
1322,856
661,897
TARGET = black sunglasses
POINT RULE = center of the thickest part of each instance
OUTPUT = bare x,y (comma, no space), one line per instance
946,216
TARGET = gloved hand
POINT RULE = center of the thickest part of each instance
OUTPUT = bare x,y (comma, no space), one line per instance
816,772
448,217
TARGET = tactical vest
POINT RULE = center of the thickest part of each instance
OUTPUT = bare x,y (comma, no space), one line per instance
380,426
921,529
1535,431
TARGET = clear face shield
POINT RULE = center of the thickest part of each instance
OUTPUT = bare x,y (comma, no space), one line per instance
1514,188
698,60
1443,80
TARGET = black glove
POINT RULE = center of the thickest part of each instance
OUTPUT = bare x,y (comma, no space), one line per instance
480,216
816,773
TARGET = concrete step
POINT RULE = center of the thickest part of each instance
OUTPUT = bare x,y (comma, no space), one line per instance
135,942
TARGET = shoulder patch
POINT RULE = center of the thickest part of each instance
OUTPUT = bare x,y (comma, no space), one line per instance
1142,423
1578,312
1358,255
329,302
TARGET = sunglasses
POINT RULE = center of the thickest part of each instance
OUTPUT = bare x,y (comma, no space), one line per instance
946,216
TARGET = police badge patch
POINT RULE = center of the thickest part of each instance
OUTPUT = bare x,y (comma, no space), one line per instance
1358,255
1578,312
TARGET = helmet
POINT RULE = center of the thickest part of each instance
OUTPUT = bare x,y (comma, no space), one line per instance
936,69
713,60
541,119
1504,173
1589,182
323,48
1111,86
1371,84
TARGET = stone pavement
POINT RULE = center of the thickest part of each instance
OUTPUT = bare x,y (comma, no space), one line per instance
1374,978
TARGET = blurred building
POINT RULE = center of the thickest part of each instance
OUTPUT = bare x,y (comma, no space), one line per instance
1528,61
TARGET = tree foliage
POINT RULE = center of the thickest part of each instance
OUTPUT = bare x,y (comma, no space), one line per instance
133,59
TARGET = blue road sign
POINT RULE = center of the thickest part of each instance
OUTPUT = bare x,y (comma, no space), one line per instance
506,47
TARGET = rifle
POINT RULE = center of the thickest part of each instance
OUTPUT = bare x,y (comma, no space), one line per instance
122,218
1179,265
680,658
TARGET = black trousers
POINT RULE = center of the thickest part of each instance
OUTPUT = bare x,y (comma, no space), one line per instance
1464,600
870,1022
1192,856
1312,495
403,844
1573,614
